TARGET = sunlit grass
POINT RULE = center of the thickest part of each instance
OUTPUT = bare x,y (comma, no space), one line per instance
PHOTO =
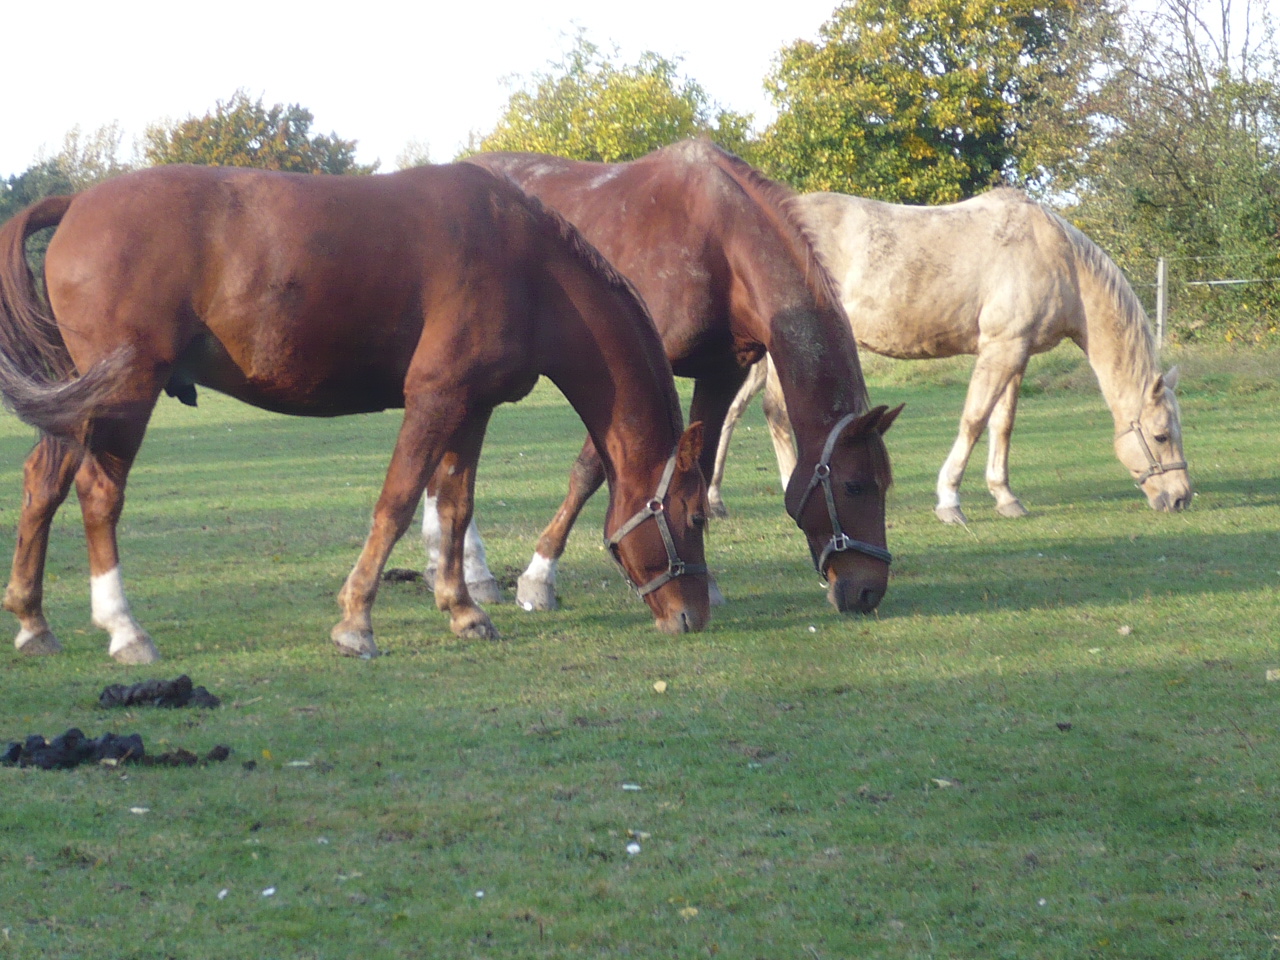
1055,740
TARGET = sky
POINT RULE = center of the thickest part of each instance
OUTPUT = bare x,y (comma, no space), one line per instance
383,74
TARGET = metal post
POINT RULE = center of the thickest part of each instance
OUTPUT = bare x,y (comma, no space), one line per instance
1161,286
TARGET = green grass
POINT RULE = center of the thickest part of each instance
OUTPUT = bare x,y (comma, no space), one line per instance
902,786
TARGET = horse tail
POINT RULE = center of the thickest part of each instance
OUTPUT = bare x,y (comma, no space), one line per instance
37,374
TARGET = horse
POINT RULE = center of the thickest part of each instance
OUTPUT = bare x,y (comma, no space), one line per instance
443,291
728,273
1001,277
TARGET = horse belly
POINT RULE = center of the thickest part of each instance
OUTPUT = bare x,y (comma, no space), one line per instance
910,334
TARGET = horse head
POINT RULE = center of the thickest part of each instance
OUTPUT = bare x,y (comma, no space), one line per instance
1151,447
660,547
840,506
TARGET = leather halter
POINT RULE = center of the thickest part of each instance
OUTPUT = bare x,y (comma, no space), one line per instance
1154,466
655,508
839,541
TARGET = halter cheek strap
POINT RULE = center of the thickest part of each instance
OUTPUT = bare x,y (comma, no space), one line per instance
655,508
1154,466
839,542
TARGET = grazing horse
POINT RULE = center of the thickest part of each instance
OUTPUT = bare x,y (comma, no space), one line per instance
728,273
441,290
1001,277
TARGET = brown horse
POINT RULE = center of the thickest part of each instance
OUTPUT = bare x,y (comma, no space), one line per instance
728,273
443,291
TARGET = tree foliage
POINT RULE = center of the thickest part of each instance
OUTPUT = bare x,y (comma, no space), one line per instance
590,107
244,133
1185,161
924,101
85,159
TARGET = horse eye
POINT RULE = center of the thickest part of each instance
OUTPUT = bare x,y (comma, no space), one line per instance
854,488
699,520
1161,438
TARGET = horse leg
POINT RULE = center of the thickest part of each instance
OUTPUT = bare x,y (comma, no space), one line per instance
536,588
481,583
746,393
46,480
712,400
775,414
999,430
455,500
426,431
991,375
100,484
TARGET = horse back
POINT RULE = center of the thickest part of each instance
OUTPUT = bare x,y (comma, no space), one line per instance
671,222
921,282
298,293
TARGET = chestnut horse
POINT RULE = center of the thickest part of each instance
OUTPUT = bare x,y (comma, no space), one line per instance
1001,277
728,273
441,290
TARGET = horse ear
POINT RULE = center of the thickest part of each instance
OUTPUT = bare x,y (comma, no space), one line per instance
886,421
690,447
1171,378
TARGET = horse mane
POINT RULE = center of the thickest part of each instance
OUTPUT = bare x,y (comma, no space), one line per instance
777,199
580,246
591,258
1137,339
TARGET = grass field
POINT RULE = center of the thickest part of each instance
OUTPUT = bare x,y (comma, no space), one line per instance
1056,739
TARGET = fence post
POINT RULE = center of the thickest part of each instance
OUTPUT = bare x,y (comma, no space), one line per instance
1161,287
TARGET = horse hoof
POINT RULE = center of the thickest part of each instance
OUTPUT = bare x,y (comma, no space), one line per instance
485,591
1013,510
42,644
950,515
535,594
138,650
481,628
717,508
354,643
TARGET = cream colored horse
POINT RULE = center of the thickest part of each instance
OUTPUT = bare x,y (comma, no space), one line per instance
1001,277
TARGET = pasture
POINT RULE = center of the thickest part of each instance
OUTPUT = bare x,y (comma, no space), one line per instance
1055,740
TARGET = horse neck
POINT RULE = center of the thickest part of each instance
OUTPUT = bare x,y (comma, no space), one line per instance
627,400
792,308
1118,342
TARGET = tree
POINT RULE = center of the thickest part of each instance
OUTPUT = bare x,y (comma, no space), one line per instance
923,101
243,133
1184,162
85,159
592,108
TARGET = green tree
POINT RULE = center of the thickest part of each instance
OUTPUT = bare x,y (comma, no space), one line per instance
85,159
590,107
1185,163
244,133
925,101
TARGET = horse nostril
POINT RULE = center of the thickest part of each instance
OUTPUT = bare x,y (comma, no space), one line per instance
868,599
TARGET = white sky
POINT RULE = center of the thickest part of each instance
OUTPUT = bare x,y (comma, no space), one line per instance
376,72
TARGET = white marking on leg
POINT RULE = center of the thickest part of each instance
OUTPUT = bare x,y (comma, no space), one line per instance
541,569
474,562
111,611
431,532
947,495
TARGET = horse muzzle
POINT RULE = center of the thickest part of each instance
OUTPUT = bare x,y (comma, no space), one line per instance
854,594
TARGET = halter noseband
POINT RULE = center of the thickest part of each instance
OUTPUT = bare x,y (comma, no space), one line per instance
839,541
654,508
1154,466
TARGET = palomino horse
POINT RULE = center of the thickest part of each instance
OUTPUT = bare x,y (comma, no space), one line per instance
728,273
1001,277
444,291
